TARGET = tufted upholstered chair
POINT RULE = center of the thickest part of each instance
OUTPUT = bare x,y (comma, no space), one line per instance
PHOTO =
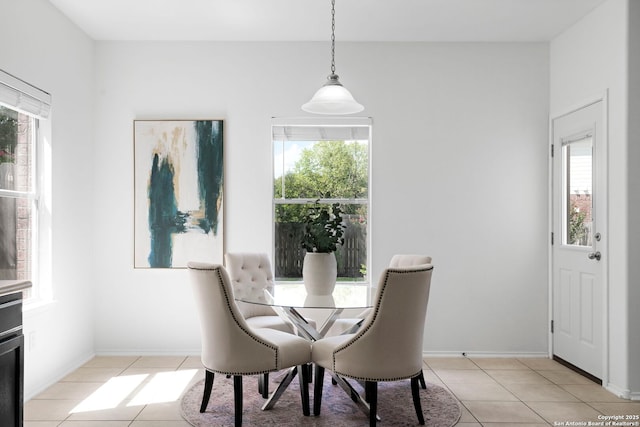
402,260
388,346
410,260
348,323
251,274
231,347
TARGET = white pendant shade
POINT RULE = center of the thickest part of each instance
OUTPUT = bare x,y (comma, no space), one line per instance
332,98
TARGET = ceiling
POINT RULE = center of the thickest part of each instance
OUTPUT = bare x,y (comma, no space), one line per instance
310,20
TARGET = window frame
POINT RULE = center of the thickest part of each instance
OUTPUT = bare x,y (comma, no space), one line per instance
26,99
325,122
30,196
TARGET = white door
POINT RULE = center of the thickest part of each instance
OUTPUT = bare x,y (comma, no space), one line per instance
579,238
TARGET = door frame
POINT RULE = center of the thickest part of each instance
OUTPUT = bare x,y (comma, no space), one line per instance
603,219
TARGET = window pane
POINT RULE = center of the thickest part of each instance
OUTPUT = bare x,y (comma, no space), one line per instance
351,256
16,238
321,169
16,144
579,195
17,201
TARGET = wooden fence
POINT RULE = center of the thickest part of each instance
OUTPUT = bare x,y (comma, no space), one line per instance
289,255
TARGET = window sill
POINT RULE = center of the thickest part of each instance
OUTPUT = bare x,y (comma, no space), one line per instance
37,306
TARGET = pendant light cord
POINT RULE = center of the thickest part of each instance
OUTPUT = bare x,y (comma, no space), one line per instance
333,37
332,97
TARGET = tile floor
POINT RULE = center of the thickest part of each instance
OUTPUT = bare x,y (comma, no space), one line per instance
145,392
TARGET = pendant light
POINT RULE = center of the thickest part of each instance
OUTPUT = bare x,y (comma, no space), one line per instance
332,97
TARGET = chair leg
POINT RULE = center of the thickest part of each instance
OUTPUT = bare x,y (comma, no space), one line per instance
423,384
208,386
237,399
263,385
415,392
303,378
309,367
317,389
371,391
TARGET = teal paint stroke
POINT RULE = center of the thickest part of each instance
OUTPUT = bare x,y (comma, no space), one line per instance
210,172
164,217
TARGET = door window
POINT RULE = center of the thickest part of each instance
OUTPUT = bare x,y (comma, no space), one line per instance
578,201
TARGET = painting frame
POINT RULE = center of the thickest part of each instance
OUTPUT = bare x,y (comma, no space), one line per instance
178,192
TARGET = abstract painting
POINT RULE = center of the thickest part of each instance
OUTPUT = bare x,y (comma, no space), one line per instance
178,173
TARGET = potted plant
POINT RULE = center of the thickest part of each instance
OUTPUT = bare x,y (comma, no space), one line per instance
323,232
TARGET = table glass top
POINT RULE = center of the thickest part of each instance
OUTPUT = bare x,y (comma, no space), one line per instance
295,295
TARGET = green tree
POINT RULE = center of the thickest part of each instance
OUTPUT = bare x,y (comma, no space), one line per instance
8,132
577,230
328,169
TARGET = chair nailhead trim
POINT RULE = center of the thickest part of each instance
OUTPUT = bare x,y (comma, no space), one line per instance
373,320
227,300
377,379
218,271
240,373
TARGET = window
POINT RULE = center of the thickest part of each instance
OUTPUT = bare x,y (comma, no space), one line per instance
327,161
21,108
577,155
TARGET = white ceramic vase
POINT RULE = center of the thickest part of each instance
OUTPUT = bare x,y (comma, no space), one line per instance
319,301
319,273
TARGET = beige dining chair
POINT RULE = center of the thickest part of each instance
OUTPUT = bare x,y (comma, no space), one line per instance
231,347
388,346
351,324
408,260
411,260
399,260
251,275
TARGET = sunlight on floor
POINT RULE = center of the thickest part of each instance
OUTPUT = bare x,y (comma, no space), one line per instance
114,391
162,387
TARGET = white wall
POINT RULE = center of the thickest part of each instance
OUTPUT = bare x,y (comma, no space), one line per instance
586,60
459,158
459,164
633,163
42,47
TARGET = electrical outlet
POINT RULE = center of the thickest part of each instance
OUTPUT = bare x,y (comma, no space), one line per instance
32,341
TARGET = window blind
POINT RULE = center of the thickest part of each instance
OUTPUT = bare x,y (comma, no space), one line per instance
22,96
320,129
320,133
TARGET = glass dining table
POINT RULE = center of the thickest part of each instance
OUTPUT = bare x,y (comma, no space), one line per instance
288,299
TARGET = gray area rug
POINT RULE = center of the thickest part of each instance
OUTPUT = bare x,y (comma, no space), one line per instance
395,406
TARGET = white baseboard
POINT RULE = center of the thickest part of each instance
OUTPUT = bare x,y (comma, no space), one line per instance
485,354
151,352
196,352
621,392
